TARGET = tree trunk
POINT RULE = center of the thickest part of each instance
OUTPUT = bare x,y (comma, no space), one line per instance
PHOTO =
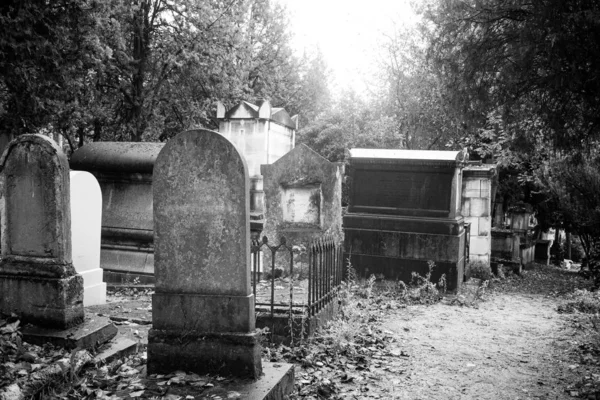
141,38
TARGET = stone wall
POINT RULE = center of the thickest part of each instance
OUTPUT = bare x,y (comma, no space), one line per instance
476,209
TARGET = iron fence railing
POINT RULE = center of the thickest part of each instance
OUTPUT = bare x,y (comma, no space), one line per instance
315,272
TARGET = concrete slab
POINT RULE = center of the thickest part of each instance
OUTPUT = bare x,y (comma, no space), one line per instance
93,332
276,383
117,348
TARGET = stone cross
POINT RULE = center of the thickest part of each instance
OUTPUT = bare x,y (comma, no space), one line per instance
203,308
37,279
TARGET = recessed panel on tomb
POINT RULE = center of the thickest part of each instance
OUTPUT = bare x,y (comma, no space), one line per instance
302,205
401,192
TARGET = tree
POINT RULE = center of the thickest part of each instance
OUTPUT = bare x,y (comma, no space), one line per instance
508,55
411,93
524,76
352,121
46,51
138,69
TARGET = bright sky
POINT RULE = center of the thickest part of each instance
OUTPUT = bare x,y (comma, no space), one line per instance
347,31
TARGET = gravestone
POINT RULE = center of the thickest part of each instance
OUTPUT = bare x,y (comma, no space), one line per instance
86,219
303,194
203,308
37,279
124,172
404,211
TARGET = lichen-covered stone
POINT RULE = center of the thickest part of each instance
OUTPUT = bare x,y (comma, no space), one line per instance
203,308
37,279
303,194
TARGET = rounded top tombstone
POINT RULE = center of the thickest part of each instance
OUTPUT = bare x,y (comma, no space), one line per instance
36,213
201,216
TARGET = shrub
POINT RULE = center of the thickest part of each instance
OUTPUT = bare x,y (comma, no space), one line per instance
479,270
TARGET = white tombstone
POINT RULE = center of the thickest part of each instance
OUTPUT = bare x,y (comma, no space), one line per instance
86,220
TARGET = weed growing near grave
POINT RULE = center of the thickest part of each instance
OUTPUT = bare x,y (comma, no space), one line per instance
352,297
423,290
479,270
582,301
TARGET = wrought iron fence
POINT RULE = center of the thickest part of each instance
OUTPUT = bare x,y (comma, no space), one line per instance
316,271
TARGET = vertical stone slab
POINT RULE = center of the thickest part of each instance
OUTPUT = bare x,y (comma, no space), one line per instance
203,308
477,209
303,193
86,221
37,279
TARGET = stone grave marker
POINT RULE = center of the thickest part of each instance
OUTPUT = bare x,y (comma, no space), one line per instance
303,194
86,219
37,279
203,308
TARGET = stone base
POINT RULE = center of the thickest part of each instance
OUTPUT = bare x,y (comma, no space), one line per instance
93,332
402,269
276,383
50,302
395,247
127,259
202,313
118,348
235,354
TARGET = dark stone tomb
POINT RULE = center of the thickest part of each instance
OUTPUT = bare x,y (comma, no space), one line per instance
404,210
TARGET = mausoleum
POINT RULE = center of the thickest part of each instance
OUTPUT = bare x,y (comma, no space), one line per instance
262,134
404,211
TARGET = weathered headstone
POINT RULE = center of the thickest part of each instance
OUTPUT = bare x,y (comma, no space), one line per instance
37,279
203,308
86,218
303,194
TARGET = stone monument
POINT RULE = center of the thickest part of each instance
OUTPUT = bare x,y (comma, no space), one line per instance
303,193
262,134
404,211
203,309
124,172
37,279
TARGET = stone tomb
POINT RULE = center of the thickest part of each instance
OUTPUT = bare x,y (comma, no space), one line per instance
303,194
262,134
404,210
86,219
124,171
203,309
37,278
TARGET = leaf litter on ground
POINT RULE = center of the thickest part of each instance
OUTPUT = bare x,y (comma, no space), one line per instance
353,357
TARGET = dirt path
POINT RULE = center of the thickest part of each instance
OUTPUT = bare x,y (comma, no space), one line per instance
511,347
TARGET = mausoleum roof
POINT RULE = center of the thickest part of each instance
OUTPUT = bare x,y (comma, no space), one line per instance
396,154
246,110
